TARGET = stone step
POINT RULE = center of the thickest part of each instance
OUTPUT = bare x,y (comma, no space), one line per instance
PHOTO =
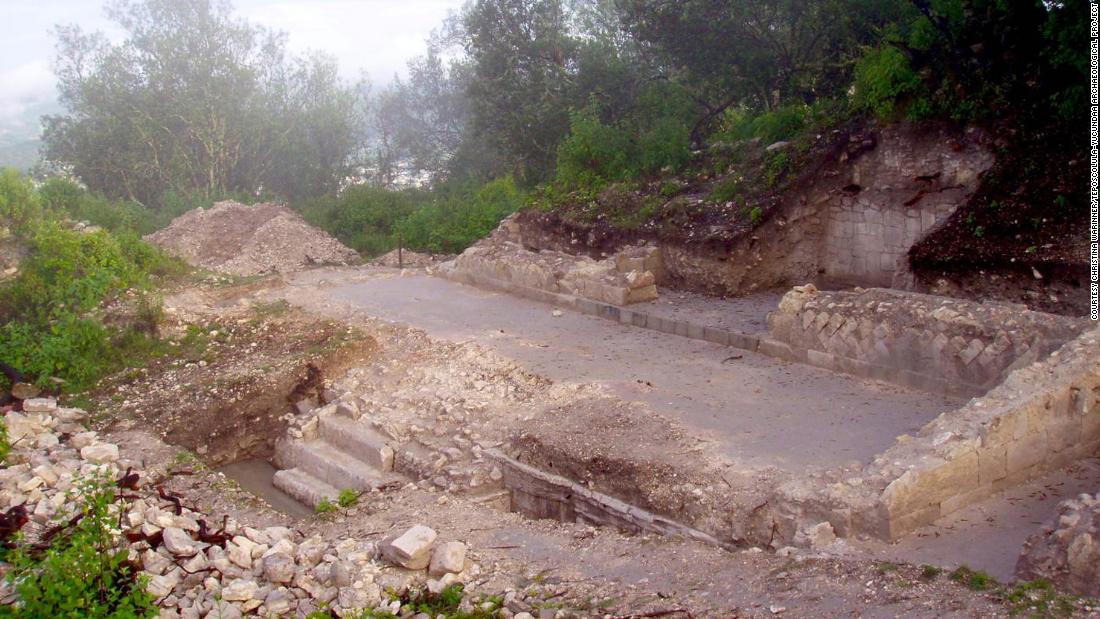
358,439
304,487
329,464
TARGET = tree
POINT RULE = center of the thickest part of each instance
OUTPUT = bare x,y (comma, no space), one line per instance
760,54
196,101
521,56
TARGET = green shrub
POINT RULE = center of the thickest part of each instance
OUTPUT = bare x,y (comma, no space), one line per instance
883,77
456,216
49,313
347,498
777,125
20,207
85,573
324,506
665,145
5,443
593,152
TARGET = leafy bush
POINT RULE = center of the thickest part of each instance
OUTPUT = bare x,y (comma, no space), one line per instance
777,125
456,216
363,217
884,76
49,323
5,443
85,572
19,204
593,152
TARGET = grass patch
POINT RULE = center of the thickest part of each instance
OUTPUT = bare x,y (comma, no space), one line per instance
975,580
324,506
347,498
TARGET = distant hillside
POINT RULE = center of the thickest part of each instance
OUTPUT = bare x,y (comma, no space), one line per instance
22,154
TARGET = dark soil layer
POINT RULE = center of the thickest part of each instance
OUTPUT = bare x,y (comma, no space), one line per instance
731,190
1024,236
229,400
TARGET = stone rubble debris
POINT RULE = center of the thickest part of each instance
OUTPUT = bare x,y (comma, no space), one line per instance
244,240
272,571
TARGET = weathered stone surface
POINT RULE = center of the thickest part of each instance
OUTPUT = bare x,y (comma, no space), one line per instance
1066,551
411,549
448,558
919,340
279,567
100,452
179,542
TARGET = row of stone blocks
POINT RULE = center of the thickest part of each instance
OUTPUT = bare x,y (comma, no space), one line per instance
633,317
538,494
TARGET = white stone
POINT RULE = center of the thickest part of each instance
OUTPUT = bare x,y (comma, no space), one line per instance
411,549
100,452
449,558
179,543
240,591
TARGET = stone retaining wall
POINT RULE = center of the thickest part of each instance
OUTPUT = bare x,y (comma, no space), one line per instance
1042,418
928,342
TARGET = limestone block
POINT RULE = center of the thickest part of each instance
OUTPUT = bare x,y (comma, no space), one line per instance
411,549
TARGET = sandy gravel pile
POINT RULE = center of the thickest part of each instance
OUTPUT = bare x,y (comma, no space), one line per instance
238,239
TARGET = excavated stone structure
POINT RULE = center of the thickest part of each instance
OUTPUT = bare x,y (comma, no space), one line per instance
498,261
923,341
1041,418
1066,551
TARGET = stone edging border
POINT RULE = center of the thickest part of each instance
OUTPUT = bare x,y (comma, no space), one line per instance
734,339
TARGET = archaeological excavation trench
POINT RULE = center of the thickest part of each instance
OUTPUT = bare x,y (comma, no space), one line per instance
581,389
739,431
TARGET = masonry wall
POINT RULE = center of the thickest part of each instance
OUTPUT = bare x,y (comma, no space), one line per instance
1042,418
897,193
928,342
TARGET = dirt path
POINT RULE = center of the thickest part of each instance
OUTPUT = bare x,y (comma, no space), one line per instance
758,410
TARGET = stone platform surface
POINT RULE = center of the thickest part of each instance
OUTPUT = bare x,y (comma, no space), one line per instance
759,410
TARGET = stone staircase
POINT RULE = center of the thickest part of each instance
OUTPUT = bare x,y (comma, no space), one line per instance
340,453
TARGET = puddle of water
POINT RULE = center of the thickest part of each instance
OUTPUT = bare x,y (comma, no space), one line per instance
254,476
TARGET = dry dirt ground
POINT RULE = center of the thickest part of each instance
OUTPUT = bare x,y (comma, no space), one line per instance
228,402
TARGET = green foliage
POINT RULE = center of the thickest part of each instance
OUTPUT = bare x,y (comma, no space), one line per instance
347,498
1039,599
455,216
729,189
5,443
755,215
20,206
448,219
930,572
324,506
781,124
363,217
85,573
883,77
775,167
49,324
593,152
975,580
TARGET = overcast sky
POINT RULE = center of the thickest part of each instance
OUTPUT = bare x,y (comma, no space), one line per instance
371,36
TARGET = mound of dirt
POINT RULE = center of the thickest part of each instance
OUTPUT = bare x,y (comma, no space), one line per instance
238,239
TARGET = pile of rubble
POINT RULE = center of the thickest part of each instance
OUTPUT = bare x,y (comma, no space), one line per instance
243,240
1067,551
194,571
501,261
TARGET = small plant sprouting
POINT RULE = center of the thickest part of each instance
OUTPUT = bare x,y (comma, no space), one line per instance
975,580
347,498
324,506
